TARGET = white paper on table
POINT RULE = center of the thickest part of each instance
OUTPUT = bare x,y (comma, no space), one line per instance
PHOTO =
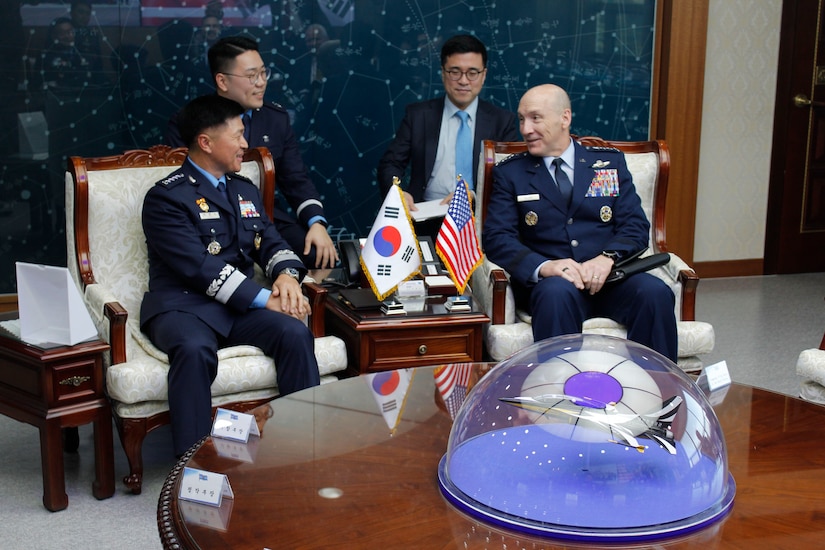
429,209
51,308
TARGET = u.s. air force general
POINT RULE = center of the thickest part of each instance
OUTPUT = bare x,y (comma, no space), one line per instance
559,217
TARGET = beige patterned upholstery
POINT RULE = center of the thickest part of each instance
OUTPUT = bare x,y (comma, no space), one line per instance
811,368
108,259
510,330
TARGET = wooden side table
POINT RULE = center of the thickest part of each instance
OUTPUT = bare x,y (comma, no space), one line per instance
58,388
378,342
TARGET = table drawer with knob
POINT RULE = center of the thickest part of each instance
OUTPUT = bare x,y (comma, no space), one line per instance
76,381
417,347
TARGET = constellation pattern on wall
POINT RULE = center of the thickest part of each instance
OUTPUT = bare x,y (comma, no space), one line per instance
344,69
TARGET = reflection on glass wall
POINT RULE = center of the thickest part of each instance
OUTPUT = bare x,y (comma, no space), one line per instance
97,78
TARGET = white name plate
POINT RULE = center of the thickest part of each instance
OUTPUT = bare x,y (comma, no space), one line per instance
204,487
715,376
414,287
234,425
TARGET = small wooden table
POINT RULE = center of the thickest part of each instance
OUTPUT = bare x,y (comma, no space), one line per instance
378,342
57,388
333,441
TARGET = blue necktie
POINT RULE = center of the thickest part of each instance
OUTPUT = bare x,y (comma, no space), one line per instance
222,189
464,149
565,187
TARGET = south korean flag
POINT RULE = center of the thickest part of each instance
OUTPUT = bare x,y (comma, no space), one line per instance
391,254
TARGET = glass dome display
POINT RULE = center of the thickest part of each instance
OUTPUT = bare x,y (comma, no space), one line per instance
588,437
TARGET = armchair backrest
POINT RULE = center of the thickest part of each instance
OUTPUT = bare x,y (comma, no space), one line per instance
104,203
648,162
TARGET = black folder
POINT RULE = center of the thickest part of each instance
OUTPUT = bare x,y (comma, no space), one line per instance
359,299
634,264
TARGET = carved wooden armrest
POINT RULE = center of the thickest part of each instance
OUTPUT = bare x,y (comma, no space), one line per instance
117,316
499,282
317,298
689,281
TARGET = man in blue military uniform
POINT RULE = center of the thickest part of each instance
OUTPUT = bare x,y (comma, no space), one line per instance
559,241
205,229
240,74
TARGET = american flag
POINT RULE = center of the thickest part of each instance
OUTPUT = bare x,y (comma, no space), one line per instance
457,244
452,381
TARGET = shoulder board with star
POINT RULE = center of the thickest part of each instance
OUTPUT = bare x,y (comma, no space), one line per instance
600,149
172,181
274,106
509,158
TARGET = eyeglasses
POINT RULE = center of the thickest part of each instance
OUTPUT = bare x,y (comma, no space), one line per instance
471,74
265,74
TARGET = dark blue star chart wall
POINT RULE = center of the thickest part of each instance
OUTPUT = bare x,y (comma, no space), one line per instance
132,63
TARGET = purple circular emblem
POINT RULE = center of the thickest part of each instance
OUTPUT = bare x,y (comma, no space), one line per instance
596,387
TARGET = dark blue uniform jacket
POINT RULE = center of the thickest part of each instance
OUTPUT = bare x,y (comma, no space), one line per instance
202,249
527,222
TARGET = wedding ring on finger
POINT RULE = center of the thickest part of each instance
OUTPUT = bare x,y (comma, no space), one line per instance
565,269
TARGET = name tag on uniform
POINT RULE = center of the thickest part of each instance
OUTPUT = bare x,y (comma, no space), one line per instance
528,198
210,215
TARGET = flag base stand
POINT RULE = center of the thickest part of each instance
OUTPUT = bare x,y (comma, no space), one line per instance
393,307
457,304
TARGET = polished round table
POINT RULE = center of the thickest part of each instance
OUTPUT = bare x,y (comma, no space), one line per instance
335,467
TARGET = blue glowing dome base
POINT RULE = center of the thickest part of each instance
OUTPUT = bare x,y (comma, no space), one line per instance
588,437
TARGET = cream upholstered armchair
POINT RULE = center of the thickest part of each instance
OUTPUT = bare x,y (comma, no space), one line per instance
510,330
810,366
107,256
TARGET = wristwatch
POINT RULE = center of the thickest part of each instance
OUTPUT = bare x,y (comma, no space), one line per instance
612,254
292,272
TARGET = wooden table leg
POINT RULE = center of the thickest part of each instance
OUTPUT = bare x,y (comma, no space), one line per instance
51,456
104,484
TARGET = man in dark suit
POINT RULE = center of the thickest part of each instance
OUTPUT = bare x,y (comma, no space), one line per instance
426,139
205,229
240,74
559,241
